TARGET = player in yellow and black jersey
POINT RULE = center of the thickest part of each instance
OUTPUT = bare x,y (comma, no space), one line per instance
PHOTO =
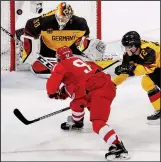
142,58
57,28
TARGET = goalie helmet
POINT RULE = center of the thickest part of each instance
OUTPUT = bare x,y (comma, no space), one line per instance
64,13
63,53
131,38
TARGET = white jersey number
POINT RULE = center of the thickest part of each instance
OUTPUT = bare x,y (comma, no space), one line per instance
80,63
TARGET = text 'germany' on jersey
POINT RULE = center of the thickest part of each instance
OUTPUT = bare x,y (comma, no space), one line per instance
47,26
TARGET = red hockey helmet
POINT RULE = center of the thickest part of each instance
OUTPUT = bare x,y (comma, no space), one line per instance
63,52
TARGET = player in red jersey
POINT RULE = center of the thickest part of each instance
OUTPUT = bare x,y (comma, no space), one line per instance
89,87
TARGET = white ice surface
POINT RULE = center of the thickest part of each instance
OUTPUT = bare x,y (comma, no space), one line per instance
45,141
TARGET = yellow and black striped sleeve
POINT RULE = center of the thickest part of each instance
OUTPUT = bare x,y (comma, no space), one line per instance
33,25
148,62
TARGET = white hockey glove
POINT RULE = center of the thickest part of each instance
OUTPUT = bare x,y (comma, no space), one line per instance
93,49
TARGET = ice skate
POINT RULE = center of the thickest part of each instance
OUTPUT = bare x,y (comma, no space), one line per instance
154,119
70,124
117,152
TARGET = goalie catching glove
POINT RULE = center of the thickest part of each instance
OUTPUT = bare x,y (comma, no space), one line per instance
93,49
61,94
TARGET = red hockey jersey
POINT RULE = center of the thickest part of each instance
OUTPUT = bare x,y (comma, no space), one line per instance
73,72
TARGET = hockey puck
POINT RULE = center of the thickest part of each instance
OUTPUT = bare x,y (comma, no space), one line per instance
19,12
39,10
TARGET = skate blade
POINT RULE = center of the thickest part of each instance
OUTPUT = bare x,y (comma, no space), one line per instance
121,158
154,122
73,130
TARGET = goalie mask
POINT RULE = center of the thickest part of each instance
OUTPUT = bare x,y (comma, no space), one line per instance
64,13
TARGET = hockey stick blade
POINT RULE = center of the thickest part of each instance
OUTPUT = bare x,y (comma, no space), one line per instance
19,115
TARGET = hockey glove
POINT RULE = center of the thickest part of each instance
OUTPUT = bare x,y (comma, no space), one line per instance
55,96
125,69
61,94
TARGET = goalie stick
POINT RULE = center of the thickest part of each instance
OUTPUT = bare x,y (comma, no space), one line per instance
41,59
111,64
49,65
19,115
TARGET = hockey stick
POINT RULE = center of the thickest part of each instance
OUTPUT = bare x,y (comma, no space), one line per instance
45,62
19,115
41,59
8,33
49,65
111,64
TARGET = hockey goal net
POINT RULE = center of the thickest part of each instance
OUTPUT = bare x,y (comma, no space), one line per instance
13,20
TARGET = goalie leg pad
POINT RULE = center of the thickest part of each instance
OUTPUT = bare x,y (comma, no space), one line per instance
29,49
39,68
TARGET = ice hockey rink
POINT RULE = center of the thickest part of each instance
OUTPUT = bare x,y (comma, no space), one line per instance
45,141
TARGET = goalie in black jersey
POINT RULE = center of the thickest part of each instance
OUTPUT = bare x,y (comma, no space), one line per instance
55,29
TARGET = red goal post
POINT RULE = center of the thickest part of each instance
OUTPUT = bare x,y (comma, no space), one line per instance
9,21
